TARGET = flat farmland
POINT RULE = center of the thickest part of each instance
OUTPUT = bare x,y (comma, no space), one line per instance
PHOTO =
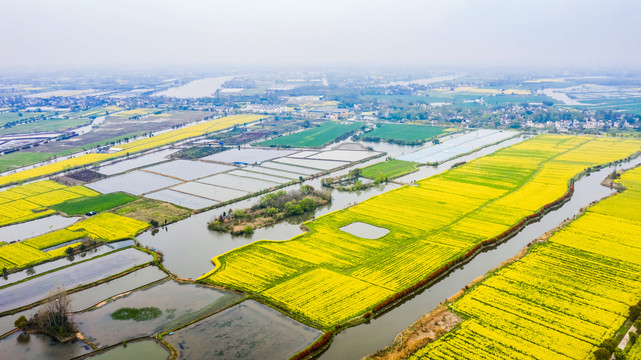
404,132
525,311
430,225
314,137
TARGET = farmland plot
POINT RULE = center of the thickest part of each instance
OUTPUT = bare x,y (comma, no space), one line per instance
564,297
430,225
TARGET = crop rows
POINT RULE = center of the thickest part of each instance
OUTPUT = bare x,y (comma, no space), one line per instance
105,227
564,297
131,147
27,202
432,226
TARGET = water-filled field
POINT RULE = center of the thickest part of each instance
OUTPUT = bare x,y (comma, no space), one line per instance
135,182
456,146
137,162
187,169
248,330
181,199
68,278
178,304
249,156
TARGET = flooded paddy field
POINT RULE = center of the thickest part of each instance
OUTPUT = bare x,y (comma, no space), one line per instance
458,145
87,298
52,265
249,155
145,349
135,182
30,291
181,199
177,304
34,228
187,169
248,330
134,163
35,346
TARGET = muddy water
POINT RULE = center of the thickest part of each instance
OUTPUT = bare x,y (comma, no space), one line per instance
248,330
87,298
147,349
34,228
179,304
188,246
29,347
359,341
52,265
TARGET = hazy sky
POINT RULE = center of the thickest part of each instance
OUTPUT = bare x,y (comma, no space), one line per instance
443,33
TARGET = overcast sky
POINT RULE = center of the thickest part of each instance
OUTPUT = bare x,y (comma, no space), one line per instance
430,33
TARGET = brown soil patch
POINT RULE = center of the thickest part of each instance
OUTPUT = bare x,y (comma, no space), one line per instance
425,330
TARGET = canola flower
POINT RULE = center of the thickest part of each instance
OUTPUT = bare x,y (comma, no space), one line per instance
444,218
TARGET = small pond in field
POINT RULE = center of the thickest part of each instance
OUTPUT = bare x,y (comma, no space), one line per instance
248,330
365,231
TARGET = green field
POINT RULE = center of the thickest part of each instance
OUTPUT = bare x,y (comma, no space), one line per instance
94,203
21,158
45,126
315,137
16,116
404,132
388,169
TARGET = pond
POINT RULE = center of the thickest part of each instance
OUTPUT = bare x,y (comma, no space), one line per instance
140,161
34,228
145,349
136,182
248,330
18,347
30,291
52,265
365,231
87,298
178,304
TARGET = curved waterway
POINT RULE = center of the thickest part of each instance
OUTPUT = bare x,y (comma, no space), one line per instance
361,340
188,246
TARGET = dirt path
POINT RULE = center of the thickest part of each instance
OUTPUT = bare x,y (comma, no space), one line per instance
626,338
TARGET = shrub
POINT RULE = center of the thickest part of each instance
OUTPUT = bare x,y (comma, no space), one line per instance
633,337
69,250
239,214
248,230
620,354
153,223
637,325
602,354
21,322
609,344
271,211
634,310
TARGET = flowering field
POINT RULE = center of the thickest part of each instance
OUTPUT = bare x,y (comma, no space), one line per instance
131,147
28,202
444,218
563,298
105,226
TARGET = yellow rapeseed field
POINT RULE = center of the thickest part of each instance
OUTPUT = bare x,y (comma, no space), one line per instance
103,227
28,202
563,298
430,225
131,147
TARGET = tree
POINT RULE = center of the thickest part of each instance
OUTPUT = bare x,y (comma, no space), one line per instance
602,354
637,325
635,310
248,230
620,354
609,344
